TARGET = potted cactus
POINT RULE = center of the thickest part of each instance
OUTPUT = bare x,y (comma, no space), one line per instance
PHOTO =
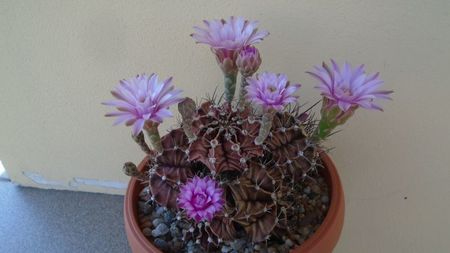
245,174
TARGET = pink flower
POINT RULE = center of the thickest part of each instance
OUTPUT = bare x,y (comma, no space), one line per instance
271,91
232,34
143,99
248,60
201,198
348,87
227,38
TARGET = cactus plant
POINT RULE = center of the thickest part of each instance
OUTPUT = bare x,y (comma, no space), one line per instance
258,181
239,173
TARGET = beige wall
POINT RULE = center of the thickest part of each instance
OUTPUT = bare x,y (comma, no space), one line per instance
59,59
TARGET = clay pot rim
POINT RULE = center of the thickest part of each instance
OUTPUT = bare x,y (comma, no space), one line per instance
331,219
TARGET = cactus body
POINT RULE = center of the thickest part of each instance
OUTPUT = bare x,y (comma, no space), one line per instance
259,181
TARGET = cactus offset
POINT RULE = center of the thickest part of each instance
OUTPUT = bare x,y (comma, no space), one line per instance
187,110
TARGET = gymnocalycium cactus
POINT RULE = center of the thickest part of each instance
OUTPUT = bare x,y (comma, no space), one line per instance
232,169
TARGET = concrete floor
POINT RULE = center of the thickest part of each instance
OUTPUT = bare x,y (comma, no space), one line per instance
35,220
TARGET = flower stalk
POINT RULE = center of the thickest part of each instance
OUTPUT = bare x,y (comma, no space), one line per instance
187,110
153,136
230,86
266,125
243,91
331,117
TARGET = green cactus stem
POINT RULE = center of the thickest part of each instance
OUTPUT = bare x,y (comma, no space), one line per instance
187,110
331,117
153,136
243,91
140,140
266,125
230,86
324,129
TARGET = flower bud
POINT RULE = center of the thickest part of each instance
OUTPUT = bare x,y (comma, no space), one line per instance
248,60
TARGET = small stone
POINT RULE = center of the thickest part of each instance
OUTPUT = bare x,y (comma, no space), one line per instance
154,215
159,210
143,218
144,207
226,249
160,243
315,188
174,231
262,248
160,230
157,221
289,243
283,248
192,247
305,231
325,199
257,247
272,250
147,231
146,224
298,238
176,245
238,244
168,217
184,225
302,209
307,190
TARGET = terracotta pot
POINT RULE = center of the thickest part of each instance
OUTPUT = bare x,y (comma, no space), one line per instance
322,241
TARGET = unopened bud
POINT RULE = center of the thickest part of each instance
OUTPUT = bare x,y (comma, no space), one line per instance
248,60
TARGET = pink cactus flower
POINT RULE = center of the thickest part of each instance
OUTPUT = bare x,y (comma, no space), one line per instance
248,60
271,91
348,87
143,99
227,37
232,34
201,198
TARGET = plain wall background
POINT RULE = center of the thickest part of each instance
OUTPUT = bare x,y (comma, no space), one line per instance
59,59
